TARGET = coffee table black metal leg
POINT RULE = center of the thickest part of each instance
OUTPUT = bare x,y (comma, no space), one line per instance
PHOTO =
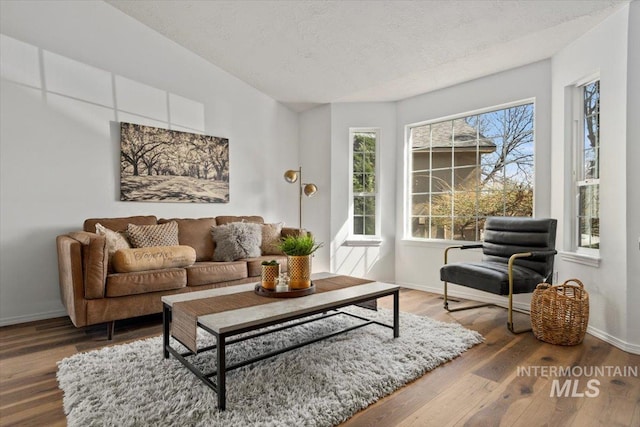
396,314
221,374
166,319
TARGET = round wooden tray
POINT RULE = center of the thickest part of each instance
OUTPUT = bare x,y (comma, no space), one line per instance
294,293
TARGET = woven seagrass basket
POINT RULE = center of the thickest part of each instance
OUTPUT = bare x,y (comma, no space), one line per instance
560,314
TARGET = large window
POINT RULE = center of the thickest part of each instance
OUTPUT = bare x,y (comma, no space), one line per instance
465,169
588,167
364,186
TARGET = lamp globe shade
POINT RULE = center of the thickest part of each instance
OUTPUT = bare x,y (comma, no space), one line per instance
310,190
291,176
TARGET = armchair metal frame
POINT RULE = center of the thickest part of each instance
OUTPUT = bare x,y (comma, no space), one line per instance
518,254
510,308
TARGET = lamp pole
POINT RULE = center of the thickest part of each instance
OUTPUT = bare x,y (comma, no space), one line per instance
308,190
300,201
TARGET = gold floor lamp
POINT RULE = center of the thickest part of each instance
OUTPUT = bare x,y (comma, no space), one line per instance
308,190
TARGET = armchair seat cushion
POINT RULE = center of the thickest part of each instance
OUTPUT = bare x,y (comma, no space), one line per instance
491,277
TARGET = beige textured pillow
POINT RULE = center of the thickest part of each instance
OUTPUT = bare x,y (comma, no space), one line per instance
271,239
153,258
115,240
145,236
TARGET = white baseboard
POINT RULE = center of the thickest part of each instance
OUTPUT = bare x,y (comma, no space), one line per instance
614,341
6,321
502,302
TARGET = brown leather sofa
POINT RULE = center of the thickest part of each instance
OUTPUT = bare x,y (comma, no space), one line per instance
93,294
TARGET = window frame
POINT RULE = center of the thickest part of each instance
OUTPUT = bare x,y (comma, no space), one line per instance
354,239
408,165
578,171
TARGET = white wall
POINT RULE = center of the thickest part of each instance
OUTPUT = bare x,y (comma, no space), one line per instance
70,72
418,263
377,262
315,158
324,152
602,50
633,175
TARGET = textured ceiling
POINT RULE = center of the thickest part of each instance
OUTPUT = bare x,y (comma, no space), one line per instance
304,53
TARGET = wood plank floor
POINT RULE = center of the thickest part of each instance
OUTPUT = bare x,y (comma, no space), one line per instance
480,388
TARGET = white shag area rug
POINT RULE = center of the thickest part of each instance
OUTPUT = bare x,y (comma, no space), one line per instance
322,384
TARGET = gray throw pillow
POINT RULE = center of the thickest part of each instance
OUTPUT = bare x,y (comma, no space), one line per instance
236,240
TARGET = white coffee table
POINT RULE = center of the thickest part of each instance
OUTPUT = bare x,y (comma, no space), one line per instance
226,324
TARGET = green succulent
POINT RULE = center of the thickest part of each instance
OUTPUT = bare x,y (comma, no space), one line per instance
272,262
299,245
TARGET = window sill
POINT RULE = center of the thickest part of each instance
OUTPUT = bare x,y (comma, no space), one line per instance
437,243
373,242
591,261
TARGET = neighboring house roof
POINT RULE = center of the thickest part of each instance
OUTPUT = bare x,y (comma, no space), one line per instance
464,138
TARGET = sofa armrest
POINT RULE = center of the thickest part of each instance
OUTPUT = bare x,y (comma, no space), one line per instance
71,279
95,259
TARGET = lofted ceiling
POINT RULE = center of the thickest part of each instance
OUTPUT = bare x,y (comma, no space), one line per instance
305,53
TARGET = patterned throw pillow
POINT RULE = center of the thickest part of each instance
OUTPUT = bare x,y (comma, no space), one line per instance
115,240
236,240
271,239
145,236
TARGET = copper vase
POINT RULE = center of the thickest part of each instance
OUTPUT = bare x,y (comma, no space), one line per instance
299,271
270,275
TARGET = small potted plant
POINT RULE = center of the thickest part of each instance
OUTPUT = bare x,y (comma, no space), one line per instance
299,249
270,273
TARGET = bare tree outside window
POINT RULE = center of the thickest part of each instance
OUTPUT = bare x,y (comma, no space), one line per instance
171,166
466,169
588,173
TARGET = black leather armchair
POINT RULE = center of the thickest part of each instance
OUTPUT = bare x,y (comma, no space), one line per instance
518,254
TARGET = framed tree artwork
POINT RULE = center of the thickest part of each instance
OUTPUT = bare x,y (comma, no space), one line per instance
161,165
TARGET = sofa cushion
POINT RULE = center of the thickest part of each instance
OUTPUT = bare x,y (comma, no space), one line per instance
118,224
153,258
271,238
222,220
195,232
142,282
236,240
144,236
116,240
254,265
204,273
290,231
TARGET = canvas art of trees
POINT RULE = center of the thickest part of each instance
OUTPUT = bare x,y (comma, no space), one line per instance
172,166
